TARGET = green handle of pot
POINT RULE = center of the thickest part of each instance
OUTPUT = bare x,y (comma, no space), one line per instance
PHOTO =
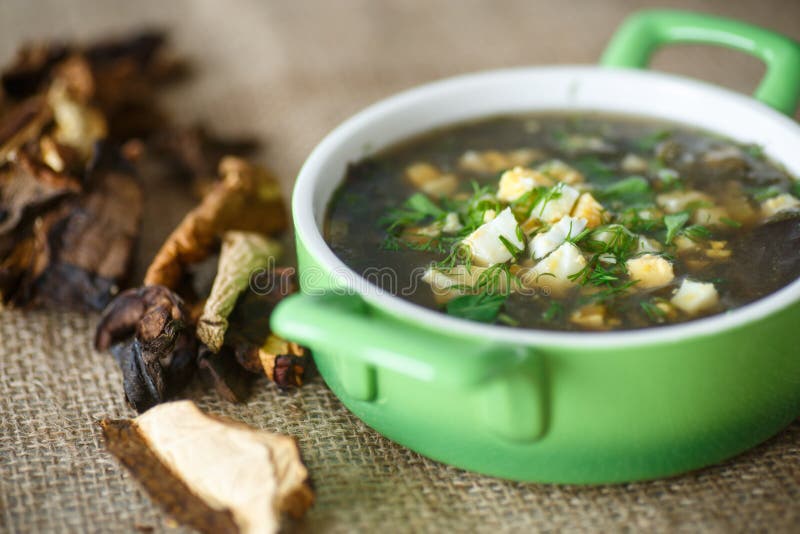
644,32
503,380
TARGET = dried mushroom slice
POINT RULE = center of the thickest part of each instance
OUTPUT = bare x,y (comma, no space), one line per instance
31,68
241,255
147,331
195,153
283,362
231,478
91,247
247,199
222,372
22,123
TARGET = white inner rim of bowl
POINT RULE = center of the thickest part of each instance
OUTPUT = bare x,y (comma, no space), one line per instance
528,90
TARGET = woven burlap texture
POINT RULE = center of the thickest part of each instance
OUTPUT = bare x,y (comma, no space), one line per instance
288,72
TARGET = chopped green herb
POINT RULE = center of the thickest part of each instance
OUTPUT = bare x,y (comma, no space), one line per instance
669,179
507,319
653,312
754,151
730,222
674,223
761,194
649,142
596,170
483,307
696,232
511,247
553,312
631,190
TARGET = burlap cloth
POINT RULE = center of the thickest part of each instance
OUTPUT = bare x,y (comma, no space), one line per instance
288,72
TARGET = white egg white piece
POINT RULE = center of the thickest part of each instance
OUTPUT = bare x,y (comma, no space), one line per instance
555,270
777,204
650,271
485,244
695,297
517,181
546,242
556,204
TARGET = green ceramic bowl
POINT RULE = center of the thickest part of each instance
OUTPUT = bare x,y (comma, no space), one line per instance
547,406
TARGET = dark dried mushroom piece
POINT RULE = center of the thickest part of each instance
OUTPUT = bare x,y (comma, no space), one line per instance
195,153
21,123
222,372
147,332
91,247
28,187
31,68
287,359
120,320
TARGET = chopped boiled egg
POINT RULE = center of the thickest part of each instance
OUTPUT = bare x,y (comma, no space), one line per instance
590,209
452,225
485,243
710,215
777,204
430,180
555,270
493,161
516,182
695,297
450,283
546,242
647,244
632,163
562,172
593,317
680,200
650,271
555,204
684,245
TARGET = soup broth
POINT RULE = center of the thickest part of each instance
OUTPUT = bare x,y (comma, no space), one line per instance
566,222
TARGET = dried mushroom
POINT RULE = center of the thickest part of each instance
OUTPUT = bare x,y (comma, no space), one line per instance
231,479
247,198
242,254
147,331
222,372
22,123
283,362
90,247
195,153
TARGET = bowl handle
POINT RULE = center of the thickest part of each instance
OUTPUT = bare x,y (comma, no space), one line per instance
642,33
510,381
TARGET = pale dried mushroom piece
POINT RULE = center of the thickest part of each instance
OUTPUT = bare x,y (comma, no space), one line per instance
247,198
210,473
241,255
77,124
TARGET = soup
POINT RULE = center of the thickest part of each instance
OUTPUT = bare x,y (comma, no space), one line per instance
566,222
